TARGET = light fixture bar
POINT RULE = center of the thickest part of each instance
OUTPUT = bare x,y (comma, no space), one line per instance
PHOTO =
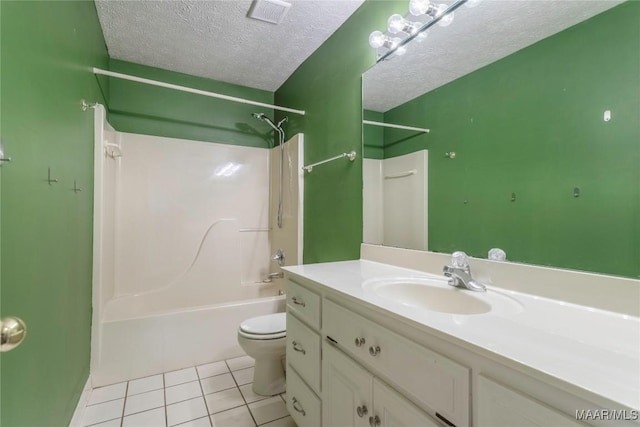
424,27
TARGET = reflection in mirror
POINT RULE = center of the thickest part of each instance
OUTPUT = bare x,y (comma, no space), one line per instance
533,146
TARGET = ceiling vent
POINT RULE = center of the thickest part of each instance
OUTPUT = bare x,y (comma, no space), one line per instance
272,11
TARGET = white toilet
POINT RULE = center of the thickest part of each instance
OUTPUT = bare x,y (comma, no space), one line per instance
264,339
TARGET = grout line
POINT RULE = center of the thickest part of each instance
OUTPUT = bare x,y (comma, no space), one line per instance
124,404
277,419
181,424
99,422
255,423
164,394
205,400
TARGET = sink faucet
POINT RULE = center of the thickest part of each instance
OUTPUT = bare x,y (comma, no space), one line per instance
459,273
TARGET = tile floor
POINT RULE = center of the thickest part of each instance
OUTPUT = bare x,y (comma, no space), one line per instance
214,395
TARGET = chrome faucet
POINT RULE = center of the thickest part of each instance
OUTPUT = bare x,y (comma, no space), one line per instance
459,273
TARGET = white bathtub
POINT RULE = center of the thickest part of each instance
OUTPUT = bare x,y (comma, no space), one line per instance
138,346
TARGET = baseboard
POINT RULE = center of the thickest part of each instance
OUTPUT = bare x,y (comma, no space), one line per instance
76,420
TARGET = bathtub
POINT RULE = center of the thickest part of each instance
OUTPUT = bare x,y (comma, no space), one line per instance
161,340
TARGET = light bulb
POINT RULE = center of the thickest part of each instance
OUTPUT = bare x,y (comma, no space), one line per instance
392,42
396,23
419,7
401,50
446,19
377,39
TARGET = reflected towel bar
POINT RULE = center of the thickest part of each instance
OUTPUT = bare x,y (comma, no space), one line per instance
401,174
391,125
351,155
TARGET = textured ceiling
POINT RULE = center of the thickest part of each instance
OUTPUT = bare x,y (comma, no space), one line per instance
477,37
215,39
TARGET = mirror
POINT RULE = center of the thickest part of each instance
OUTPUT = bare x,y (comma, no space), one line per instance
534,138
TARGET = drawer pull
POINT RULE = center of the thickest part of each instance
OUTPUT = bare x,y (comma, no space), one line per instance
298,408
374,421
374,351
362,411
297,347
359,342
298,301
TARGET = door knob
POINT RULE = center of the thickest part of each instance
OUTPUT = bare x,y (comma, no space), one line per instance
12,333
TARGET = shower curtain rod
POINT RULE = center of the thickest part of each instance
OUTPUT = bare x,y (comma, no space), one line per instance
191,90
391,125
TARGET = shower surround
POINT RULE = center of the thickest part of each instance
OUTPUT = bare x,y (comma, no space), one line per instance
184,235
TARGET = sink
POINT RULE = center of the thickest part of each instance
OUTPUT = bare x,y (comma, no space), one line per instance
436,294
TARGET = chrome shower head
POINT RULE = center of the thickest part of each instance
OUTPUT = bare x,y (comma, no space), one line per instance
261,116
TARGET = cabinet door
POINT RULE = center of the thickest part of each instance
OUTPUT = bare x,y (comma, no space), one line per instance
499,406
346,390
393,410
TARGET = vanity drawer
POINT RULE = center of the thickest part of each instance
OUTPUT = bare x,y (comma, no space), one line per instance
304,303
303,351
428,378
303,405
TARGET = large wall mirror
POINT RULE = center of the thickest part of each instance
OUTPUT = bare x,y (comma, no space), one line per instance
533,112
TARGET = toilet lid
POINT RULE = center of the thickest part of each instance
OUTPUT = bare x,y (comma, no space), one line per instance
265,325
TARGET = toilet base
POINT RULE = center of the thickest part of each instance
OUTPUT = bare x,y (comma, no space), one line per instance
268,377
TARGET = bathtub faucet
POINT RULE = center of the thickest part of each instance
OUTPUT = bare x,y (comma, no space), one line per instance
459,273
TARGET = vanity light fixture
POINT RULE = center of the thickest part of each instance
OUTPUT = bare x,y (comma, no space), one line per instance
438,13
378,39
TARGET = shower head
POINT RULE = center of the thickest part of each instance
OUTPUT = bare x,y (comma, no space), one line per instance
261,116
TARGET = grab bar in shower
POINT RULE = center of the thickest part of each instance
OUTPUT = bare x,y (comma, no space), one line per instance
351,156
254,230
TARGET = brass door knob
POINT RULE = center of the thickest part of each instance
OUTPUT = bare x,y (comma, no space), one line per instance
12,333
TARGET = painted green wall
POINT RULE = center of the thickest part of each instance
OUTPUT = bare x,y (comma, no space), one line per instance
47,49
139,108
373,136
532,123
328,86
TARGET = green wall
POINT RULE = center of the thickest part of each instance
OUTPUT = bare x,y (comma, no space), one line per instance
532,123
47,49
140,108
328,86
373,136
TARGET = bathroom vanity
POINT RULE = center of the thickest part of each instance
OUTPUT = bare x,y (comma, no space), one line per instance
367,345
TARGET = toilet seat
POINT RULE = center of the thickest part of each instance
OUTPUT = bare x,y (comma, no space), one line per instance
269,327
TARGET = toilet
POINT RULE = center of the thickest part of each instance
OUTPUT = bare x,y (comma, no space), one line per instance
264,339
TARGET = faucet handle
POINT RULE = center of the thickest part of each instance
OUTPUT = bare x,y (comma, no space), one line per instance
459,259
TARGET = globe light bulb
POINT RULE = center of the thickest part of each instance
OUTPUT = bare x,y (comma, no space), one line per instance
396,23
401,50
419,7
377,39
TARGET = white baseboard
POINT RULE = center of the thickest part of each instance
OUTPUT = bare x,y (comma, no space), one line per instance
76,420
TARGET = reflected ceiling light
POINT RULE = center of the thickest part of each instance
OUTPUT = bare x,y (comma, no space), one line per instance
439,13
378,39
397,24
426,7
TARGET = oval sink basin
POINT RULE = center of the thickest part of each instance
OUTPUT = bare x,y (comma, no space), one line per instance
438,295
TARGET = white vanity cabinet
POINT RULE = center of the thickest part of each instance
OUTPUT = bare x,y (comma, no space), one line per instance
303,354
501,406
428,378
353,397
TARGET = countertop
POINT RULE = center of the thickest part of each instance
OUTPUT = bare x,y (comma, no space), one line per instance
591,349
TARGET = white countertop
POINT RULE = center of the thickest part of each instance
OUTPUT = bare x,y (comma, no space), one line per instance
592,349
